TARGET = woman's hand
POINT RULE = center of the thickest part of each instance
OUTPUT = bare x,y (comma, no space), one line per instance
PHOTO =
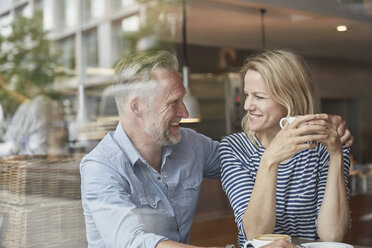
344,133
332,140
295,136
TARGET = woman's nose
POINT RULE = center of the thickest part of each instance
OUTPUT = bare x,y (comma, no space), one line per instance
248,105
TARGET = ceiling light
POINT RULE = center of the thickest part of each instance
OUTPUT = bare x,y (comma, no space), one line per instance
341,28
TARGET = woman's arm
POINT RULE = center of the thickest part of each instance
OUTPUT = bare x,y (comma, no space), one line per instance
334,213
260,215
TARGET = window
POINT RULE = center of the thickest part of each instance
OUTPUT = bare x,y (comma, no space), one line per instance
65,12
90,44
117,5
24,10
119,30
5,28
93,9
5,4
67,57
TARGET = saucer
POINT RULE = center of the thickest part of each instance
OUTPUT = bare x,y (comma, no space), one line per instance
327,245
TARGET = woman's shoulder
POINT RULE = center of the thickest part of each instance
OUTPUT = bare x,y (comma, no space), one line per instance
239,143
235,139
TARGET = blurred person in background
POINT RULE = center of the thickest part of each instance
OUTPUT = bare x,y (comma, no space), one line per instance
295,180
31,130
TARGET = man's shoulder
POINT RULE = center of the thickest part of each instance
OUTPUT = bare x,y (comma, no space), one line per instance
190,134
106,153
192,140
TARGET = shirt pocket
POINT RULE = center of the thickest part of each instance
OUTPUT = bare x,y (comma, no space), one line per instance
190,191
149,201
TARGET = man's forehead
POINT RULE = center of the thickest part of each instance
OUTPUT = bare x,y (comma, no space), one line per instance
161,74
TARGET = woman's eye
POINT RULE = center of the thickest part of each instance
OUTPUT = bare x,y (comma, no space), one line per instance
260,97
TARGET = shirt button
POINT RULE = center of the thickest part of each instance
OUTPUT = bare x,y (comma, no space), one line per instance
158,178
165,176
195,186
154,204
171,200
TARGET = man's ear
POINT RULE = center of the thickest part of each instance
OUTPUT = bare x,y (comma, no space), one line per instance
134,106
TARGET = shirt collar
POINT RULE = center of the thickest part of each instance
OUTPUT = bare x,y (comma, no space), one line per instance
122,139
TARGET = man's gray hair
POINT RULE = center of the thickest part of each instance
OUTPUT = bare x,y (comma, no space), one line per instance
134,75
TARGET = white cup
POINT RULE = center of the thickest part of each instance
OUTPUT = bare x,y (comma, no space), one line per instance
288,120
265,239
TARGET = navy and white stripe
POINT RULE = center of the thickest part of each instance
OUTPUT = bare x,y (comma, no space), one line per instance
300,184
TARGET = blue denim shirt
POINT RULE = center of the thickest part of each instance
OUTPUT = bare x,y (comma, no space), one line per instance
129,204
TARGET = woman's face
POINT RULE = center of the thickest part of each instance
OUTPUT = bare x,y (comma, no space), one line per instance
264,113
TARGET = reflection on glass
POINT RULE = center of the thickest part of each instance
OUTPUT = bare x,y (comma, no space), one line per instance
67,58
5,4
25,11
70,13
130,24
120,28
64,13
93,9
38,4
48,15
5,28
117,5
91,48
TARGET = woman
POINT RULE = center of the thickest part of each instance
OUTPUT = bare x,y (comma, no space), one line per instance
293,180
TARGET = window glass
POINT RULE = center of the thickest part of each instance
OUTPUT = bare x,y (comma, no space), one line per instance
117,5
24,10
38,4
5,28
93,9
64,13
67,58
122,28
48,20
5,4
91,48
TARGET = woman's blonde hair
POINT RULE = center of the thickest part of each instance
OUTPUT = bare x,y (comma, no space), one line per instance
288,80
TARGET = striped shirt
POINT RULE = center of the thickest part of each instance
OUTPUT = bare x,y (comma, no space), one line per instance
300,186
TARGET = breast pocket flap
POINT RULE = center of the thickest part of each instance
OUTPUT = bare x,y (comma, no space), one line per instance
150,200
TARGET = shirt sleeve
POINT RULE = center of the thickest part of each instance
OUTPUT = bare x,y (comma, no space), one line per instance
107,199
237,182
207,150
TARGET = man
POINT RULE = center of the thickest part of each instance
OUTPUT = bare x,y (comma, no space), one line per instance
140,185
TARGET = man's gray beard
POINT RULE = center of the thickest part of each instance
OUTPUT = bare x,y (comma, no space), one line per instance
160,132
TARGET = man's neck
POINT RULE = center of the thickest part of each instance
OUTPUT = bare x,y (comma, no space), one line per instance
145,145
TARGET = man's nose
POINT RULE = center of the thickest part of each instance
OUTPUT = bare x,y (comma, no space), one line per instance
182,112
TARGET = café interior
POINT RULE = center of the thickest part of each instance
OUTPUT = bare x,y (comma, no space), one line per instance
40,203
